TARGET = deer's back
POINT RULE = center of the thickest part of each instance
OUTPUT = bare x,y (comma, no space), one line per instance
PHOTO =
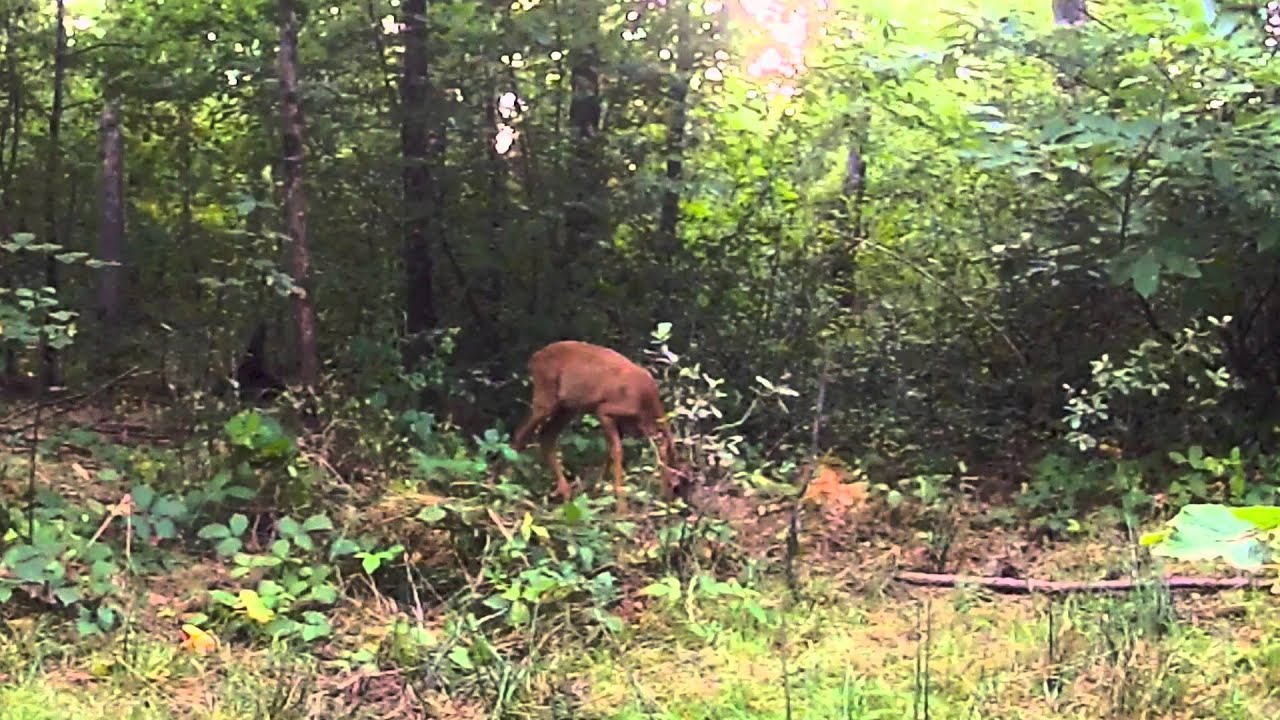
587,376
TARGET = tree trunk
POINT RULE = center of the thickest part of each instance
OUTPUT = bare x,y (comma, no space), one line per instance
111,249
10,141
584,213
1070,12
677,117
295,199
51,371
418,185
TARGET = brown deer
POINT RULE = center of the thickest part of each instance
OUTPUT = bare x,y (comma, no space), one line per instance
571,378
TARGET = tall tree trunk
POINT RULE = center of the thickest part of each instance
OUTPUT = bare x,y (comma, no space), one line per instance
295,199
677,118
10,141
421,314
111,249
51,371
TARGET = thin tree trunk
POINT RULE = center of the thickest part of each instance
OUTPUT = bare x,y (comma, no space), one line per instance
497,200
380,49
295,199
584,213
1070,12
111,249
418,185
51,371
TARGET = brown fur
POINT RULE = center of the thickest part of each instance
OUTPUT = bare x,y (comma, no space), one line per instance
571,378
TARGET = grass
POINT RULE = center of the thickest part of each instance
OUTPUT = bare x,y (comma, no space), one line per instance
849,648
851,659
848,656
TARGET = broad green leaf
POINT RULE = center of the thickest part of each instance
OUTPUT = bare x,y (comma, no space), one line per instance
280,548
1204,532
165,529
288,526
214,531
343,547
1146,275
325,594
143,496
228,546
317,522
68,594
319,628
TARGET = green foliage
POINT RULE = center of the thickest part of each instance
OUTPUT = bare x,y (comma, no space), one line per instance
1158,391
295,579
61,564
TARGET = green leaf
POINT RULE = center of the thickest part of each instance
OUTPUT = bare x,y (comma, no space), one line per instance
343,547
165,529
68,595
281,626
280,548
1263,517
169,506
106,616
228,546
432,514
1205,532
143,496
461,658
1146,275
238,524
31,571
1182,265
317,629
325,594
317,522
575,512
519,613
289,527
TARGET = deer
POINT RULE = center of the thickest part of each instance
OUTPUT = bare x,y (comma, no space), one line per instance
572,378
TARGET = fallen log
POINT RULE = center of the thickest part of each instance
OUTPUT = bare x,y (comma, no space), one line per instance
1064,587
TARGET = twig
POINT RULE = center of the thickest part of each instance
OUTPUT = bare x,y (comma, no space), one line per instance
1063,587
66,400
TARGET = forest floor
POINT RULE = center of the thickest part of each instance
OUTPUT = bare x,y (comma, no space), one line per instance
852,643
